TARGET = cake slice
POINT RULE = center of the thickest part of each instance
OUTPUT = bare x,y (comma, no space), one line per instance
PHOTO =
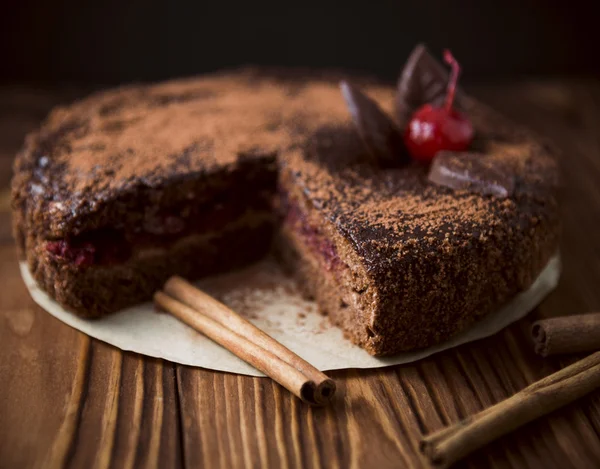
124,189
403,258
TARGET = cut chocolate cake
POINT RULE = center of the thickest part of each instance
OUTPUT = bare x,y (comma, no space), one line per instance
122,190
118,192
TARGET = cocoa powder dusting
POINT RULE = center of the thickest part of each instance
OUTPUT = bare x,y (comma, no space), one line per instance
248,291
136,137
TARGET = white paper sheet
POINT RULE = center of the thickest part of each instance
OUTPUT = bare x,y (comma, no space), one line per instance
272,302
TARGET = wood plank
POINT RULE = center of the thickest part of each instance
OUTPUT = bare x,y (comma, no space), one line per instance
71,401
378,420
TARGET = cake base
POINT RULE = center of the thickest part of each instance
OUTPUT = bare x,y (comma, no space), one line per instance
101,290
270,300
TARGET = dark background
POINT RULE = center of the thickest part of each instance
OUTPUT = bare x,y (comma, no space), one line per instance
102,43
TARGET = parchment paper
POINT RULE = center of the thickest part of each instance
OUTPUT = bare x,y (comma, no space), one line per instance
272,302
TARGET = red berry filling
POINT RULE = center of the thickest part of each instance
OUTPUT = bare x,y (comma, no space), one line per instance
295,217
109,246
99,247
82,255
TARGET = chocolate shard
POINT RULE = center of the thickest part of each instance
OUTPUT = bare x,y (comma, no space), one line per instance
423,80
475,172
377,130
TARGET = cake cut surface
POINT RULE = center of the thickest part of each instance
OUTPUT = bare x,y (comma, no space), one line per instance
118,192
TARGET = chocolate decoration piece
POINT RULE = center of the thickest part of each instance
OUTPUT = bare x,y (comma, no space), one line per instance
378,132
423,80
474,172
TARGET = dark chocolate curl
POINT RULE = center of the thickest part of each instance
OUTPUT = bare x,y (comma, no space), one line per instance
423,80
378,132
474,172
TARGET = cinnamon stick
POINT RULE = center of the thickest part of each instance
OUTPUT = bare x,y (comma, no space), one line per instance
448,445
185,292
319,389
567,334
280,371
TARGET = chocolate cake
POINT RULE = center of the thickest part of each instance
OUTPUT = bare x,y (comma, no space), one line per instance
118,192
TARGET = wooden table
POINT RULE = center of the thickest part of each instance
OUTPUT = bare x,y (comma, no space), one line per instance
69,401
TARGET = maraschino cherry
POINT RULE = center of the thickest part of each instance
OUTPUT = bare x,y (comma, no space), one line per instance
432,128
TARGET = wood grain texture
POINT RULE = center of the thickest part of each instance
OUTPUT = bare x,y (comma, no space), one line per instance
67,401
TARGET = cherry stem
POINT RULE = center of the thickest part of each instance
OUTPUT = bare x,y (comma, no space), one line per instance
450,60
